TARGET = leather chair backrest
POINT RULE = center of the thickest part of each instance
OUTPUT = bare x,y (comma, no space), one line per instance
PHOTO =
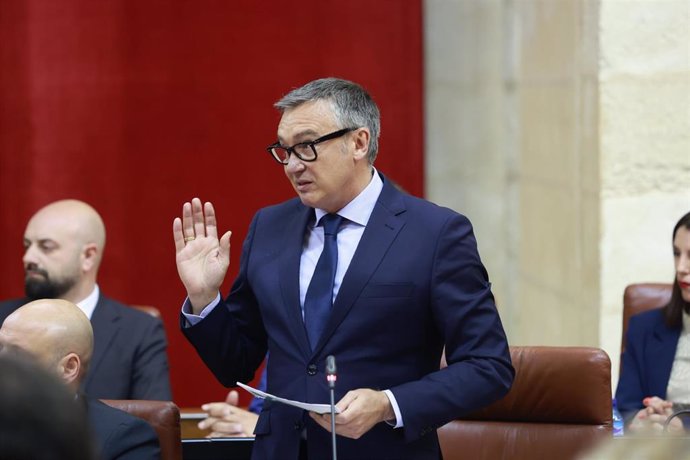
163,416
640,297
558,407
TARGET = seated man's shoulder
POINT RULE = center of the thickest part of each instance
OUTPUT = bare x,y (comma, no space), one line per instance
14,303
7,307
126,311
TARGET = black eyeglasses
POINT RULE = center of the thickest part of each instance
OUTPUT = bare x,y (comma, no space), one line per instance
305,151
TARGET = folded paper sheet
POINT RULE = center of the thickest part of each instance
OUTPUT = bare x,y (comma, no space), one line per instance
318,408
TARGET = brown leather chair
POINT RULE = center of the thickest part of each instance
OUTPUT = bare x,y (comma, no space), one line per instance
164,417
153,311
558,407
640,297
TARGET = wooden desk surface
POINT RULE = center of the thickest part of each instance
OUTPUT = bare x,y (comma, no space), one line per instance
189,418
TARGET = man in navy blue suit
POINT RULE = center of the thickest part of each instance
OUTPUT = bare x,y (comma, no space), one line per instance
405,280
64,243
59,336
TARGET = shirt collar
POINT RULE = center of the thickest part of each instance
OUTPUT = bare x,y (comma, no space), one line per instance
88,305
360,208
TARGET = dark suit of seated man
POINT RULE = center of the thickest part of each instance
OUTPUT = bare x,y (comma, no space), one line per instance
59,335
33,400
64,244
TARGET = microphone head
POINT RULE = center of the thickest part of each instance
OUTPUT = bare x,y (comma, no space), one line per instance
330,365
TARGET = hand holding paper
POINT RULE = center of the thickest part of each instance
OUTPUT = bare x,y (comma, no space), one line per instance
318,408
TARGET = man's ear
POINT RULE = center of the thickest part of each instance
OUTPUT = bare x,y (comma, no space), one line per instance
69,368
361,139
89,256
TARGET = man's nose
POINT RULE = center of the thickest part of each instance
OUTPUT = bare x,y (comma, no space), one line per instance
294,164
29,256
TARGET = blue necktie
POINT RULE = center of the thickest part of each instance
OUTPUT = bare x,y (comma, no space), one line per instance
319,298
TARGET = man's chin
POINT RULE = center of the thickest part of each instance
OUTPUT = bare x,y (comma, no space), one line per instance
307,200
36,290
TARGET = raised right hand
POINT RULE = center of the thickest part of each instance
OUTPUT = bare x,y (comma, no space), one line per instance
202,259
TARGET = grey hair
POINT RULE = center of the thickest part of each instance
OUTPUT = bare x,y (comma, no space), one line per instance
352,106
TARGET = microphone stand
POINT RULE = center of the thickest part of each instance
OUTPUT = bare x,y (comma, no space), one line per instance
332,377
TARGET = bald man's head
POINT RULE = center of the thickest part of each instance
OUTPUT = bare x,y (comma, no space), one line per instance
64,244
54,331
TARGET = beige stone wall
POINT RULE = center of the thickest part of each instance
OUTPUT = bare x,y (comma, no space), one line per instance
558,170
644,85
561,127
511,142
468,162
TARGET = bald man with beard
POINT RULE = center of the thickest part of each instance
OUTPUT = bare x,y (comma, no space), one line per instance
59,336
64,243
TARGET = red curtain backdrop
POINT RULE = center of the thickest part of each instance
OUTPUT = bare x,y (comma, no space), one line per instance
138,106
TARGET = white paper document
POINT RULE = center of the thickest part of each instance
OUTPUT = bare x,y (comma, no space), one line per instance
318,408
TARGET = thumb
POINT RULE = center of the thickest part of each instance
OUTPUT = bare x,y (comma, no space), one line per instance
233,398
225,245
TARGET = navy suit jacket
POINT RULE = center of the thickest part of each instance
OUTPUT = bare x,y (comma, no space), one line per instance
119,435
650,348
129,358
415,284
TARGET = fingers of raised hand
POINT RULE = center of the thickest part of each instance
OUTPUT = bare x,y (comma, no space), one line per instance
210,220
178,236
198,221
187,221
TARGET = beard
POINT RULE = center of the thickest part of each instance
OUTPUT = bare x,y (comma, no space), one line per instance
45,287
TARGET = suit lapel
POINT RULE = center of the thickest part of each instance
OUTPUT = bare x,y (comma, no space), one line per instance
103,322
383,226
289,273
662,351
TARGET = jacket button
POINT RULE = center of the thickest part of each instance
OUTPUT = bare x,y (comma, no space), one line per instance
298,425
311,369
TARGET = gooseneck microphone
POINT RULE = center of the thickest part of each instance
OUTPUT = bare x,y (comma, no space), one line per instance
331,376
331,371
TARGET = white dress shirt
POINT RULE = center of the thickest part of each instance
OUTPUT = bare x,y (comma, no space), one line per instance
88,305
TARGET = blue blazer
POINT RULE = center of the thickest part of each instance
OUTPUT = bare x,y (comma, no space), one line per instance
415,284
646,364
119,435
129,358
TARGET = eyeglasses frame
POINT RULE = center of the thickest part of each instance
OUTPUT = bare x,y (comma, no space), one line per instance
311,144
